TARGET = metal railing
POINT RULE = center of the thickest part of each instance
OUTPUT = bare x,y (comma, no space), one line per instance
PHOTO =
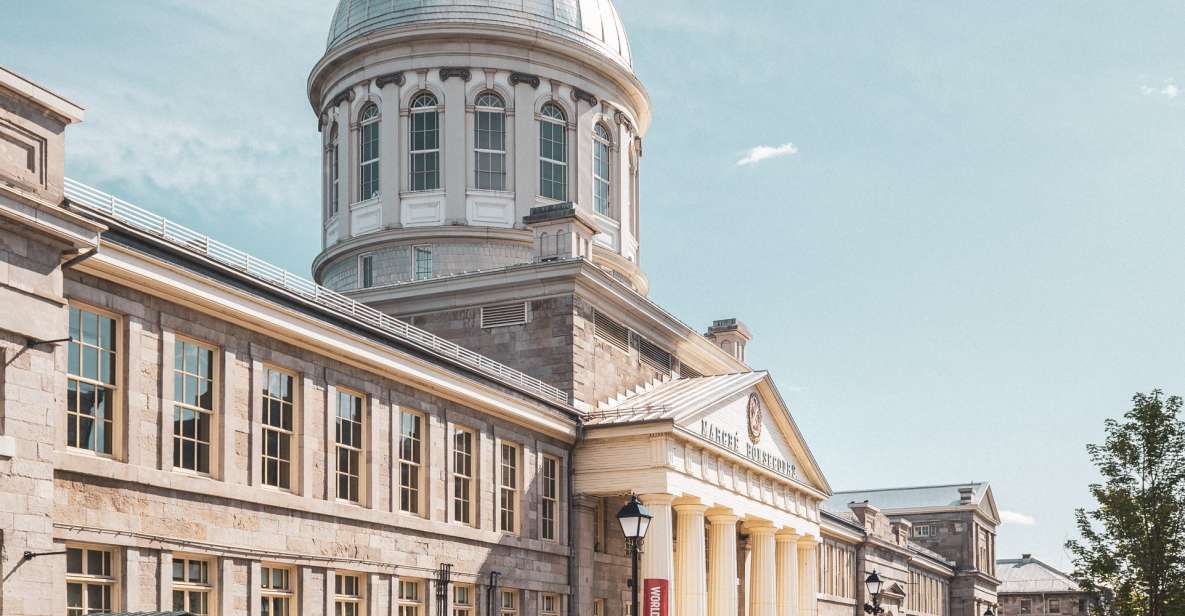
109,205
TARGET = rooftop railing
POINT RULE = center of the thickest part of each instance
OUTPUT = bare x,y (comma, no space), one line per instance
109,205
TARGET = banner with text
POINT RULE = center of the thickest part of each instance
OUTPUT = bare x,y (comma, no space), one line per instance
654,601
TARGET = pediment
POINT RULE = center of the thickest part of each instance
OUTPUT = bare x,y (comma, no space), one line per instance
751,420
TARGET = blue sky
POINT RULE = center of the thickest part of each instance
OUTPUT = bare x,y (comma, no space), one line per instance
969,256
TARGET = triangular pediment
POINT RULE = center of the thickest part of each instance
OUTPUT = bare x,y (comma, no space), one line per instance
750,418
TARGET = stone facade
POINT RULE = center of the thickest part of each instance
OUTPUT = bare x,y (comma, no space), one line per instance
1031,587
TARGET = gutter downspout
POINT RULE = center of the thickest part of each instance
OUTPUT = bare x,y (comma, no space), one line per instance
572,573
79,258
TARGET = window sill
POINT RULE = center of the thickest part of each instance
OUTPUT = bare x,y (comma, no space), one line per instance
368,202
422,193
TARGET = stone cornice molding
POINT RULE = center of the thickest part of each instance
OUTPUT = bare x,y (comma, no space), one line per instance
580,95
395,78
531,80
455,71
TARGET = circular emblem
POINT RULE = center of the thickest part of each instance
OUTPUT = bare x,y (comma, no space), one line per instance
754,418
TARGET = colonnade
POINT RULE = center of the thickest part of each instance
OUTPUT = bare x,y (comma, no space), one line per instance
781,576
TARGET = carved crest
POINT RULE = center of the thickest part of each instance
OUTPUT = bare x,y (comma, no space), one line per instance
755,418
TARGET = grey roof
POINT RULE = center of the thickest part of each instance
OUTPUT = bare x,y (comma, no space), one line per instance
671,399
922,497
1029,575
593,23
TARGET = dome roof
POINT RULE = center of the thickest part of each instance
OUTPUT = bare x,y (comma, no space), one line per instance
593,23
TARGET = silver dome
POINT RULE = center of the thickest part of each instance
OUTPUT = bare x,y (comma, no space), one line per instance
594,23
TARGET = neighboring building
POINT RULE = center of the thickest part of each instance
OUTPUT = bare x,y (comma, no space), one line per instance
1031,587
183,426
950,529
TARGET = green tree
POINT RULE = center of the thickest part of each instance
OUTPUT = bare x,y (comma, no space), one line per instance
1132,552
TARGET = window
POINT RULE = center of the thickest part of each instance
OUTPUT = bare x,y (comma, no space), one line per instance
411,457
1026,606
277,428
463,476
90,581
347,594
276,591
599,527
334,172
462,600
366,271
550,506
925,530
349,446
423,257
601,172
489,142
1055,606
191,585
193,408
91,389
549,605
368,153
410,598
425,143
598,607
508,603
508,489
553,153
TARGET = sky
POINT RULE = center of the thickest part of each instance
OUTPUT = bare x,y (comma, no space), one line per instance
953,228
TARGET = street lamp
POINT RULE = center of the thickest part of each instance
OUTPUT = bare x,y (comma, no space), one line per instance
635,521
874,585
989,612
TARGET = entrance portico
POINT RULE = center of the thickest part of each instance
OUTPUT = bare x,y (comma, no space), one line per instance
721,467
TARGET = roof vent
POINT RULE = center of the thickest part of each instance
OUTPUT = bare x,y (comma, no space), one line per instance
966,495
504,315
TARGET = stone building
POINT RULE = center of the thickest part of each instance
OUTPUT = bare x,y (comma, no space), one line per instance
1029,586
474,383
934,546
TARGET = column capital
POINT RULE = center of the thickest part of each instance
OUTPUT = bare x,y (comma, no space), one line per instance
718,515
760,529
689,507
787,535
808,541
656,499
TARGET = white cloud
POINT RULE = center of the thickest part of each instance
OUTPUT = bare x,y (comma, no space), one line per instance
766,152
1169,90
1021,519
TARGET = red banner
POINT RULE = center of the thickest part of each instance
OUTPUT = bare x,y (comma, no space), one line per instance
654,597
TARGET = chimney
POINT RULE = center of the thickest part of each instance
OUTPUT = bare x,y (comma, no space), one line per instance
33,124
966,495
866,513
901,530
562,231
731,335
1026,557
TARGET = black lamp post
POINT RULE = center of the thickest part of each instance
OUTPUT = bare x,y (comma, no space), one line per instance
989,612
635,521
874,586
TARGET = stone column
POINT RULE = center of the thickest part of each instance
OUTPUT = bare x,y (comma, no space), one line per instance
787,572
808,576
722,587
658,553
691,573
584,509
762,579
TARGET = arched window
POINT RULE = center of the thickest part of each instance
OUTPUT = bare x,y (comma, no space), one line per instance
334,172
489,142
601,169
368,153
425,143
553,153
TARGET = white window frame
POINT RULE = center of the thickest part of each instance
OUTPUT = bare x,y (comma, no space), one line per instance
561,165
414,461
214,412
478,151
86,579
466,606
509,500
508,602
186,586
434,109
550,527
416,251
549,604
407,606
285,596
605,143
359,449
343,599
464,484
363,260
114,389
334,170
366,124
265,426
598,607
